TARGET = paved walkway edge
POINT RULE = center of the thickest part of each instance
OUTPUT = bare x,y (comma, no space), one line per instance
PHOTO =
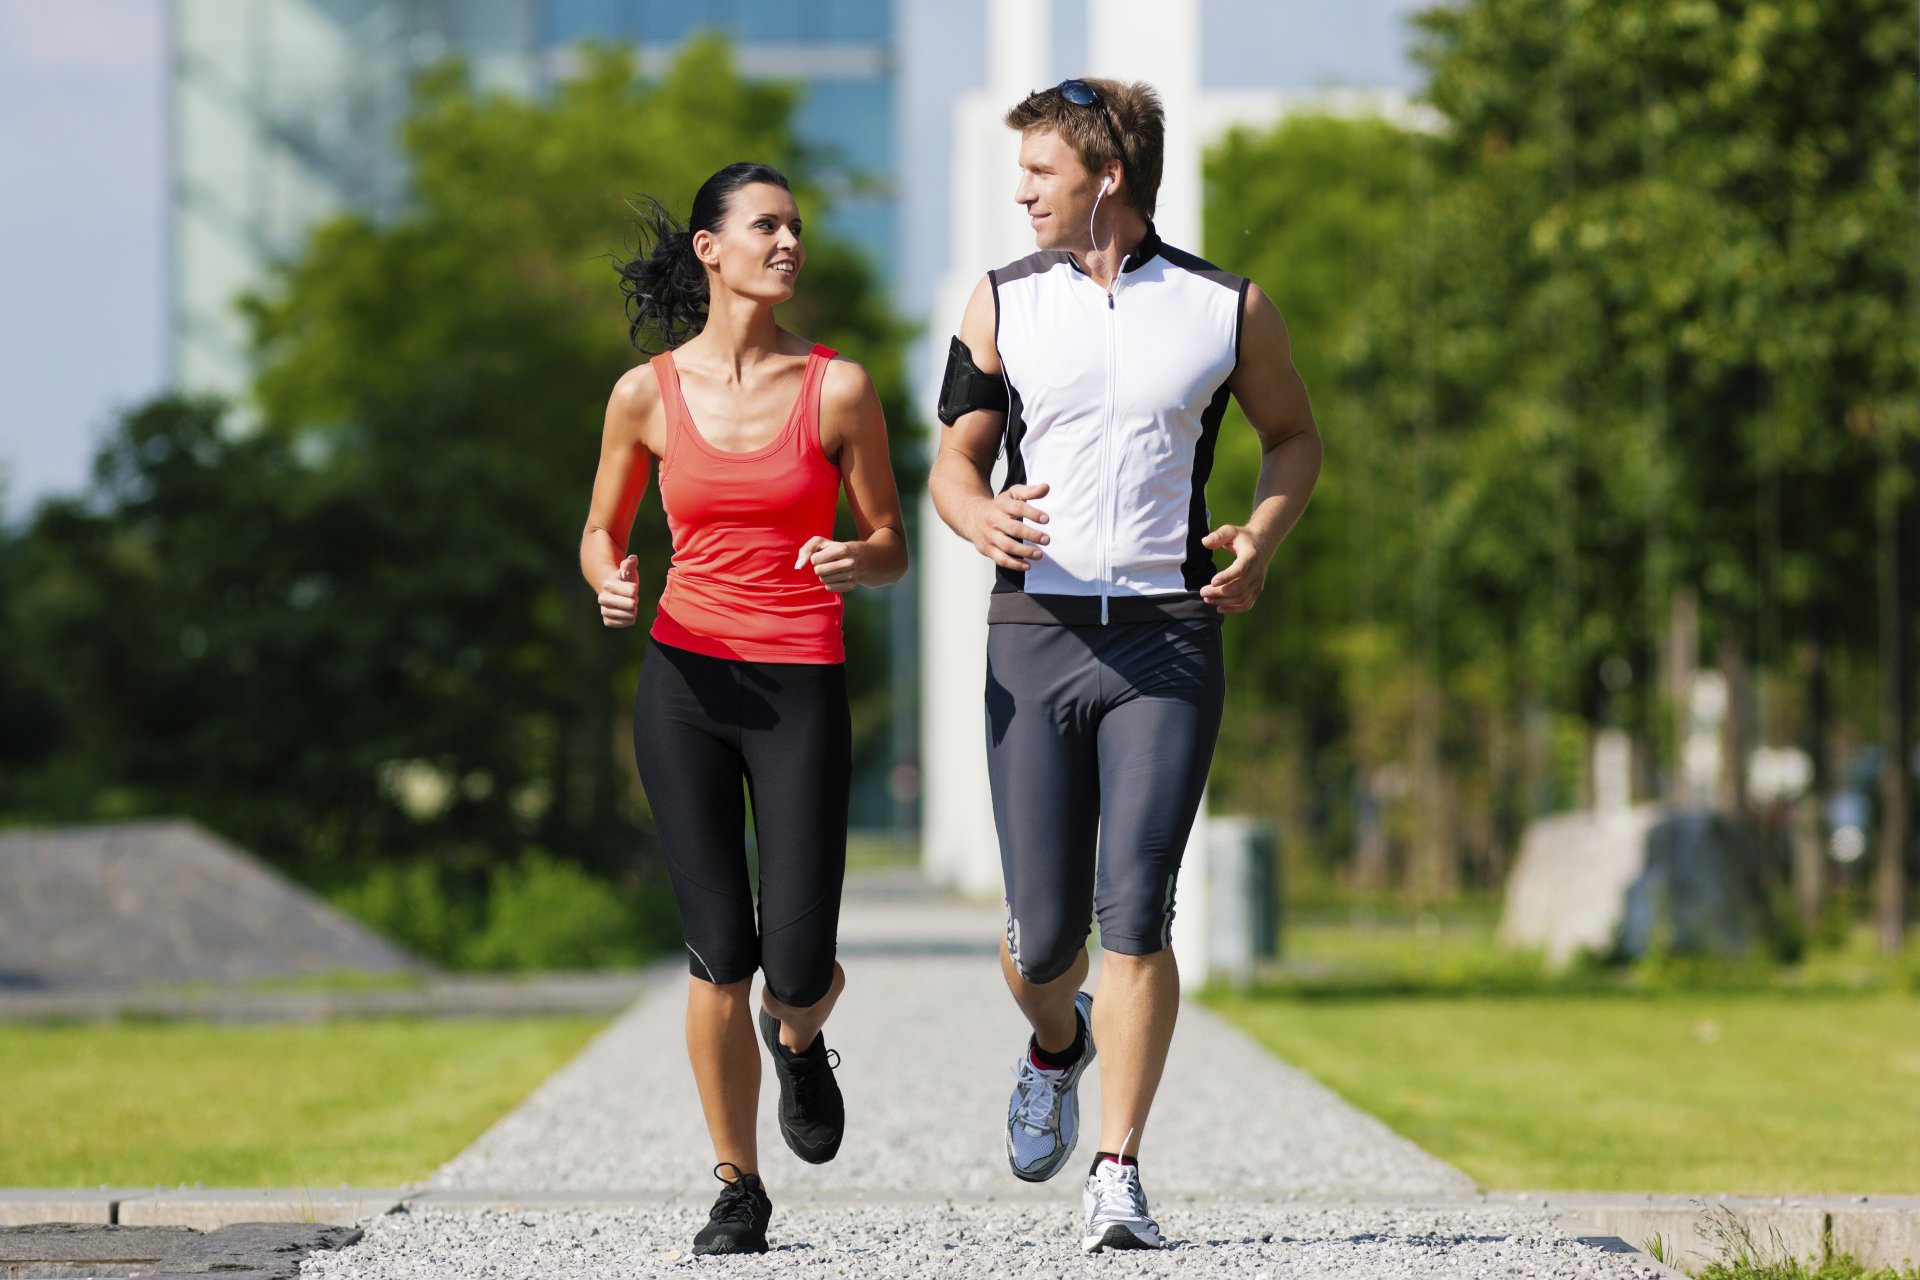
1877,1231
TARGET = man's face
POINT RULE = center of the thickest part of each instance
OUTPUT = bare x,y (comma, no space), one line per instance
1056,190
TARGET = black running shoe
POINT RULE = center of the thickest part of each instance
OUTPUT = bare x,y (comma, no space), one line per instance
812,1115
738,1221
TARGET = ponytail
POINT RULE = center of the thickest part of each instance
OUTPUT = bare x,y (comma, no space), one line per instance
665,283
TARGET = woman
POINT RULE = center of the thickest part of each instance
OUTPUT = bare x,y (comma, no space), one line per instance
756,431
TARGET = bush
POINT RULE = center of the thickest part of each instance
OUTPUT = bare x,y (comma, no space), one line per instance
545,913
409,904
541,912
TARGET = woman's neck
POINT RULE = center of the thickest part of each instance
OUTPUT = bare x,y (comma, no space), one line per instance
739,333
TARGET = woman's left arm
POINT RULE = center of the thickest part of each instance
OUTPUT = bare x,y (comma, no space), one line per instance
853,431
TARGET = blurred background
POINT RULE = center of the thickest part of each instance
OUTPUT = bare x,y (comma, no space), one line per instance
1598,640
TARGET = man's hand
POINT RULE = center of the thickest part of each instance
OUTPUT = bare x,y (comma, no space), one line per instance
836,563
1236,587
620,594
998,529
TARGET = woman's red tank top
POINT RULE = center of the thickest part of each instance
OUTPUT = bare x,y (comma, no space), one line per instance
738,520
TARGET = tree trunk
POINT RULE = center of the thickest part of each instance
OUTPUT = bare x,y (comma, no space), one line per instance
1737,732
1809,852
1682,659
1370,869
1896,667
1431,872
1492,843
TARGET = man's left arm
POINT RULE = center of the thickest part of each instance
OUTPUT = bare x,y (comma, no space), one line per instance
1270,393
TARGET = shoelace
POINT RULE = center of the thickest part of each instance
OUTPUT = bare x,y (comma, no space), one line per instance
810,1080
736,1200
1117,1192
1037,1091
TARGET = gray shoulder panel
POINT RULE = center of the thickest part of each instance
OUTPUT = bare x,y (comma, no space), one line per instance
1032,265
1194,264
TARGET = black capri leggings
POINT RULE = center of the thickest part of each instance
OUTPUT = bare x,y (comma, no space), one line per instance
701,728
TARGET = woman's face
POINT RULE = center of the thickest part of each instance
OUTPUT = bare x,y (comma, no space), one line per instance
756,253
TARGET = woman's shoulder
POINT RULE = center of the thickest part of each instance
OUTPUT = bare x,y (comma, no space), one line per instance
846,384
638,390
635,408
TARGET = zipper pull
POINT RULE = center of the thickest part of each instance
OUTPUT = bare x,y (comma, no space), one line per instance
1109,302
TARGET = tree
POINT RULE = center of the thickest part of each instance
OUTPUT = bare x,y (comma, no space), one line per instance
1728,192
1635,320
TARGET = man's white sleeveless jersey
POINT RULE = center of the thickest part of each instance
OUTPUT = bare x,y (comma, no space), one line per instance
1115,404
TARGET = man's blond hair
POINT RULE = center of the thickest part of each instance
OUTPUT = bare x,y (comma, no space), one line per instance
1138,119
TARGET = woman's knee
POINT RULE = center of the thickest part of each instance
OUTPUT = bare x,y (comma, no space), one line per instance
802,988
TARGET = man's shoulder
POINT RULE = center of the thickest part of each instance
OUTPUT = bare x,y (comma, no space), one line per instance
1034,264
1195,265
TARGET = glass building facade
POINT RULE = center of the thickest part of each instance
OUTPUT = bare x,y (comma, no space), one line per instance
284,112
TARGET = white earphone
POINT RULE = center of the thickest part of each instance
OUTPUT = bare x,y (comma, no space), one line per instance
1105,183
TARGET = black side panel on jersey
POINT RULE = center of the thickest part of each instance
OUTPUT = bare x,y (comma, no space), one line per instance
1005,579
1198,569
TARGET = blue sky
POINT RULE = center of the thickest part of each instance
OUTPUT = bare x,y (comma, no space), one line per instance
82,230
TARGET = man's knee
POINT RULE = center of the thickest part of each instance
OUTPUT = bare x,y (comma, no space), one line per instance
1044,951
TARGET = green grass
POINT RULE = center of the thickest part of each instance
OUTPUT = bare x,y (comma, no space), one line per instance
372,1103
1741,1255
1746,1092
334,981
1368,952
882,850
1843,1268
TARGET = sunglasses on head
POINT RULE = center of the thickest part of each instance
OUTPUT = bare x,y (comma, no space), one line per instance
1082,94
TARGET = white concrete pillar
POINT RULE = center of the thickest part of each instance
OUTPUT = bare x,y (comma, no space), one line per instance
1159,41
959,845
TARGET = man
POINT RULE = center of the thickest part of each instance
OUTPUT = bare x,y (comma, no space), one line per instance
1103,363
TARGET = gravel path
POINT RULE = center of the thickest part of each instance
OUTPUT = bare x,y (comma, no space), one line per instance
1246,1161
927,1037
894,1242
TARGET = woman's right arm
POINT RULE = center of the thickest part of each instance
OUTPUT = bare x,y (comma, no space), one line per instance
629,442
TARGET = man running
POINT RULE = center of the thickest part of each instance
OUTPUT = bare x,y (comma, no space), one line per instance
1103,363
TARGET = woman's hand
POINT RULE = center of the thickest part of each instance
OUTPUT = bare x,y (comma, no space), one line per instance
836,563
620,594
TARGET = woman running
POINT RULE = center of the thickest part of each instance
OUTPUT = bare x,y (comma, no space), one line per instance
756,432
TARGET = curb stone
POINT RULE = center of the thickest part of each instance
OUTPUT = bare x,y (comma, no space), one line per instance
242,1251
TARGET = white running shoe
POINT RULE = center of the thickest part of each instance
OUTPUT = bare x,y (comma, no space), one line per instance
1116,1210
1043,1116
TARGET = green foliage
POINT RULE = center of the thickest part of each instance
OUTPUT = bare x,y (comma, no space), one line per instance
1743,1257
548,914
539,913
1636,315
409,903
1841,1268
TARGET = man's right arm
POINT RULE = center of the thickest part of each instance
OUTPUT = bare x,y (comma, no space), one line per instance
1002,527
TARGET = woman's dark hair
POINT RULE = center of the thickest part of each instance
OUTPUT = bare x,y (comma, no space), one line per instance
665,284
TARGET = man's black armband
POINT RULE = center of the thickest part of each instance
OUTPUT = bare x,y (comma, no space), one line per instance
964,388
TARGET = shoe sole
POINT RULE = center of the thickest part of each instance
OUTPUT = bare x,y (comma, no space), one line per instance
770,1032
1066,1154
723,1247
1118,1237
